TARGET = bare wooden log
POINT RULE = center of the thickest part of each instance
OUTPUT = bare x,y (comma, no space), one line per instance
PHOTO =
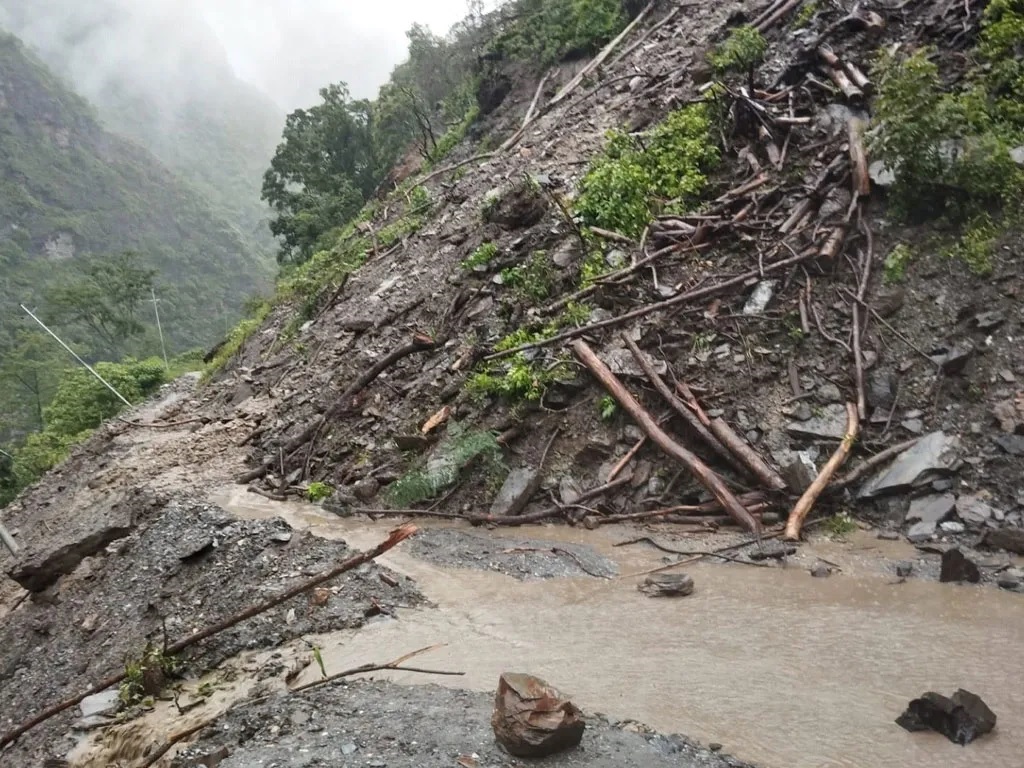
679,407
859,79
834,244
852,93
858,158
771,17
807,501
693,464
396,537
754,502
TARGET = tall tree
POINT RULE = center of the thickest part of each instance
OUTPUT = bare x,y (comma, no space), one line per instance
324,169
104,298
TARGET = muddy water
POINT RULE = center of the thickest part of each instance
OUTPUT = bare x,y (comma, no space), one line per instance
784,670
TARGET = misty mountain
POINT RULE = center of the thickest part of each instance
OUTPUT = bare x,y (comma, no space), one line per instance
158,75
69,187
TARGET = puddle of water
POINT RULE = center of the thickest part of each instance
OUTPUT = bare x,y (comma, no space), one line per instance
784,670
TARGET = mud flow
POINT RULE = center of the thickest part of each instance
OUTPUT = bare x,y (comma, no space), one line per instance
784,670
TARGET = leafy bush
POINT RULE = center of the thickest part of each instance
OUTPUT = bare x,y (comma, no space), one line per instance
896,263
532,280
481,257
460,449
545,31
630,182
319,491
743,50
238,336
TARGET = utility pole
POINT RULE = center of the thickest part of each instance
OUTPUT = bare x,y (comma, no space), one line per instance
159,329
75,355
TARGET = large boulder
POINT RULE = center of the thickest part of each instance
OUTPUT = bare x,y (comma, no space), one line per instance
532,719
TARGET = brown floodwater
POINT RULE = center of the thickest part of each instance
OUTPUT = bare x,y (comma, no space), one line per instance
784,670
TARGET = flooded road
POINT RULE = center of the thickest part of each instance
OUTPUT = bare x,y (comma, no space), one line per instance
784,670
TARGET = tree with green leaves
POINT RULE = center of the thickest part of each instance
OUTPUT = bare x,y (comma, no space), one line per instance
324,169
104,298
29,372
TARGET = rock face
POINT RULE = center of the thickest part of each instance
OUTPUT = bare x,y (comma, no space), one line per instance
961,718
532,719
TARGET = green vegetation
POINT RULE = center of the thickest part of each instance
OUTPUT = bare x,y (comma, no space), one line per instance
146,677
238,336
741,52
896,263
460,449
950,151
607,408
840,525
545,31
631,182
533,280
319,491
481,257
806,14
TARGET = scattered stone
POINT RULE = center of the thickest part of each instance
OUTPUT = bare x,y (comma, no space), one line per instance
973,510
349,748
667,585
913,426
515,493
828,424
193,545
953,360
1007,376
103,703
888,535
904,568
569,490
800,472
761,296
532,719
622,363
881,390
961,718
365,489
821,571
931,509
1010,539
829,393
921,532
1011,583
952,526
1012,444
987,321
281,537
801,412
957,567
934,455
1010,415
772,550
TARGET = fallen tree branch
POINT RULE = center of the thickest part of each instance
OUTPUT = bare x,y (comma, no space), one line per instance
544,514
869,464
363,668
754,502
690,552
696,467
806,502
689,296
396,537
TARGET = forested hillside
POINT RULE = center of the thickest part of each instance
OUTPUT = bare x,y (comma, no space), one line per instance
166,84
73,200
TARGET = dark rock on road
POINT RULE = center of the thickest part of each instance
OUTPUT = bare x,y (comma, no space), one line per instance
961,718
532,719
667,585
957,567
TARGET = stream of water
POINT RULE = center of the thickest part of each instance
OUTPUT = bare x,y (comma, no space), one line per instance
784,670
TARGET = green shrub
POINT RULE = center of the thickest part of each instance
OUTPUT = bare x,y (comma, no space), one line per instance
545,31
240,334
630,182
743,50
532,280
457,452
896,263
481,257
806,14
319,491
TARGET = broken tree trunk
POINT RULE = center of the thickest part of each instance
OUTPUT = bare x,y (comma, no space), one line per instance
396,537
806,502
694,465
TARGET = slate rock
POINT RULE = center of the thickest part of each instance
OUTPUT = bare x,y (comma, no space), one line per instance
957,567
1012,444
667,585
532,719
828,424
103,703
515,493
881,389
931,509
821,571
800,472
1010,415
829,393
973,510
920,532
961,718
1010,539
952,526
934,455
954,359
904,568
569,490
622,363
772,550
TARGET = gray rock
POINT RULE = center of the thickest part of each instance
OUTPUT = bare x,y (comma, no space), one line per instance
365,489
904,568
888,535
920,532
987,321
821,571
953,360
952,526
667,585
800,472
828,424
934,455
880,174
1010,416
957,567
103,703
913,426
1012,444
1008,582
621,362
569,490
515,493
348,748
973,510
881,390
761,296
931,509
772,550
829,393
801,412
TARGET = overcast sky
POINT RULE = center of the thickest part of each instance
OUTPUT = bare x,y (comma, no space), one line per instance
291,48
